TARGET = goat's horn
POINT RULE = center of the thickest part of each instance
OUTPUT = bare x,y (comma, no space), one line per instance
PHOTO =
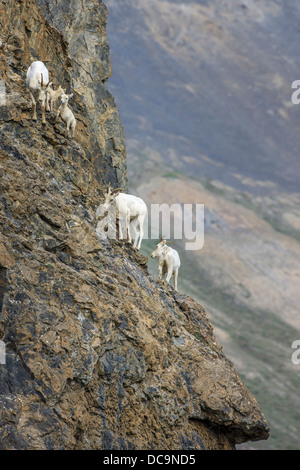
117,189
162,238
171,243
42,79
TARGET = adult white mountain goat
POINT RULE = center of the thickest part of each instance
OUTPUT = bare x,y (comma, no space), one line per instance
130,211
168,261
38,84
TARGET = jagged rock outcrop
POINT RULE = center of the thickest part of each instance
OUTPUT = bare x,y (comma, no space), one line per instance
98,354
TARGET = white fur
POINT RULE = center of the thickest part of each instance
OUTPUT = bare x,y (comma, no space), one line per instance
66,114
37,84
168,261
54,95
131,210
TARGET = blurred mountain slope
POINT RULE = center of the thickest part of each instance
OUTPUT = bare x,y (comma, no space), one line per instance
210,86
204,91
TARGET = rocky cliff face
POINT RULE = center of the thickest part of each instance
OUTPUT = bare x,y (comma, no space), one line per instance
98,354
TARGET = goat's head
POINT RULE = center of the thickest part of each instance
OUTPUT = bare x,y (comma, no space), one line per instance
43,90
110,195
64,98
159,247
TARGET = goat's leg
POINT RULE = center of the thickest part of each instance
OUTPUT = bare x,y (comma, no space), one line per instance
43,114
141,232
121,225
120,229
160,272
33,102
134,226
128,228
73,129
175,278
170,271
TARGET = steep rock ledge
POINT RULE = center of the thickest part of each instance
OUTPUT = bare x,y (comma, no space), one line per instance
98,354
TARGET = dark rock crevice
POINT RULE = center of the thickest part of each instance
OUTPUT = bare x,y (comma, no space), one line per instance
2,285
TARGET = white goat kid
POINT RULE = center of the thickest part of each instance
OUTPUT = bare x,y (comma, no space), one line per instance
168,261
54,95
130,210
66,114
37,84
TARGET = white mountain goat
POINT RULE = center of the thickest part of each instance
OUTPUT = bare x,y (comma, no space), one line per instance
66,113
54,95
168,261
37,84
129,210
